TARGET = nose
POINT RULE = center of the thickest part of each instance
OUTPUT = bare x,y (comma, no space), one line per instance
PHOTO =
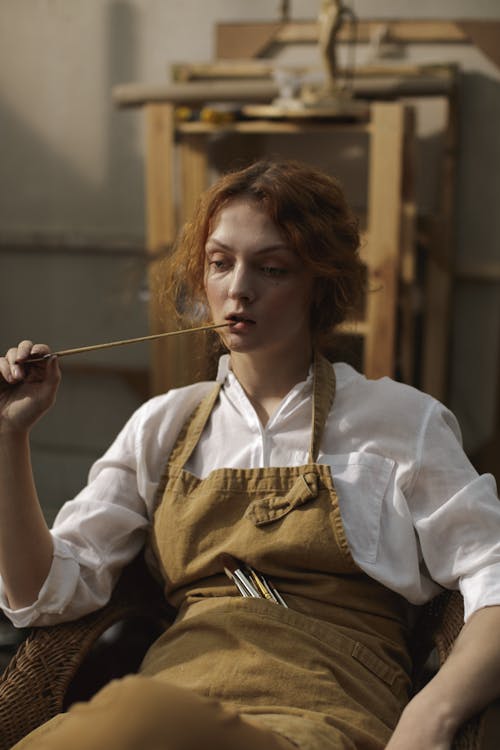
241,286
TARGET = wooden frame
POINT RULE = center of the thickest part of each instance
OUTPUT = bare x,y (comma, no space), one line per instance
250,40
390,136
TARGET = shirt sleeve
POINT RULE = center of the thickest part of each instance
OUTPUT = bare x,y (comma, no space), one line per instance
95,535
456,514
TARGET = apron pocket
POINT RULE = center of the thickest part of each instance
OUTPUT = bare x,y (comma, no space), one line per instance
373,663
268,509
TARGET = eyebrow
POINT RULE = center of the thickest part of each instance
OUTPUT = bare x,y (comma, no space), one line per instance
262,250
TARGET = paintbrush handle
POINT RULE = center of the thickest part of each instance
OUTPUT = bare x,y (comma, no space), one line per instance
122,342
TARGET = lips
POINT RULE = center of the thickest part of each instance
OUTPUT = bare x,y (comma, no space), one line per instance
236,318
239,323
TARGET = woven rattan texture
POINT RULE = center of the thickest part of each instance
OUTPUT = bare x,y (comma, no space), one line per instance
33,687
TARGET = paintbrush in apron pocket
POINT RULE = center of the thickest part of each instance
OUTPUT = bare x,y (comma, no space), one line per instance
249,582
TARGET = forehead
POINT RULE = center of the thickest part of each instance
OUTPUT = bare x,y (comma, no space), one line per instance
244,219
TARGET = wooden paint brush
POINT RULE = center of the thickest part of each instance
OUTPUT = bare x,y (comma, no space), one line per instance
249,582
122,342
233,570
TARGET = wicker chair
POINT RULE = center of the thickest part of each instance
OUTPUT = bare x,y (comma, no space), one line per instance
51,667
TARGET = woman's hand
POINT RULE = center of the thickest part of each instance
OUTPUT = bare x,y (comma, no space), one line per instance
27,391
468,681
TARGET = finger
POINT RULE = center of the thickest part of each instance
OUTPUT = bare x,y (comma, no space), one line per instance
40,353
17,356
11,355
53,369
39,349
24,350
5,370
12,373
16,372
20,352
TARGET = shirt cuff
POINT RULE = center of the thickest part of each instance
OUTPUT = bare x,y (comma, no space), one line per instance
55,594
481,589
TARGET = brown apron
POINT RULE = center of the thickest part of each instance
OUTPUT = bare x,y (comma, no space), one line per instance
332,670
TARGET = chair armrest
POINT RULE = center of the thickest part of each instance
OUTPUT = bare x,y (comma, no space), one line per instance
35,683
438,626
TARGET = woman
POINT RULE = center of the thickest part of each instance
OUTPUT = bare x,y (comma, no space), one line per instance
355,516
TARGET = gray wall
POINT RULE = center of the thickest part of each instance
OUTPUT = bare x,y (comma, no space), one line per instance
72,188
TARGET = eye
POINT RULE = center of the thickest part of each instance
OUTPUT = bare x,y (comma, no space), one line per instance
273,271
218,264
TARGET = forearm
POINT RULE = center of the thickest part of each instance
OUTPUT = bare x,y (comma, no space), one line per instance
470,678
26,546
467,682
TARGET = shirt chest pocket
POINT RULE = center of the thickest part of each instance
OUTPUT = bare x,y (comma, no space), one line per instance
362,481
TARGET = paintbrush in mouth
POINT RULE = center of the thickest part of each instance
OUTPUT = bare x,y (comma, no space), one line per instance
121,342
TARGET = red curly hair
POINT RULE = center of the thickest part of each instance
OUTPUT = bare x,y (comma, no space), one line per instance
315,221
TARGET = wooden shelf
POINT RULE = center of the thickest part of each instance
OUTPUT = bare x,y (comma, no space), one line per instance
177,171
271,126
254,40
388,243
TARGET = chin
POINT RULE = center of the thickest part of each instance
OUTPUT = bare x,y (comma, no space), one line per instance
242,345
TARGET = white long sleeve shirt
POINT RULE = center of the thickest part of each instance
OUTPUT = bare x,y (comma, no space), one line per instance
416,514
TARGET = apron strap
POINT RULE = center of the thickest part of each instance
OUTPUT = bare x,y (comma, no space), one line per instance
190,434
323,396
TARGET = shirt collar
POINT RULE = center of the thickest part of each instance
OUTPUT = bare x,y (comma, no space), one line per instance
223,368
343,371
225,371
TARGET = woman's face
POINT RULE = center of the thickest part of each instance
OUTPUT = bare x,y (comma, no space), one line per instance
257,283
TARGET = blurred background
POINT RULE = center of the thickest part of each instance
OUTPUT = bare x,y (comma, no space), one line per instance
75,253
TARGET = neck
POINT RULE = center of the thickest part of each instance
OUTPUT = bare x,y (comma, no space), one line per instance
266,381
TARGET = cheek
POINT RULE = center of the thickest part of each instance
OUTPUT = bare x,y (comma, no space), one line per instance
297,300
213,292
